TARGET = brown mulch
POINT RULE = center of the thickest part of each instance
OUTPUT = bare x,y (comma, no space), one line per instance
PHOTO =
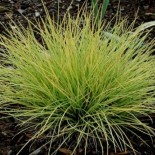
10,140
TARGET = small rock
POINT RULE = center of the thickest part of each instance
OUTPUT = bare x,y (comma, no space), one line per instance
37,14
21,11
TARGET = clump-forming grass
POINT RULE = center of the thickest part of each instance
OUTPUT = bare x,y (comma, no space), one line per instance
81,85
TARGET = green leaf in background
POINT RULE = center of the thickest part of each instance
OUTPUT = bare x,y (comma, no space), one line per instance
98,12
104,7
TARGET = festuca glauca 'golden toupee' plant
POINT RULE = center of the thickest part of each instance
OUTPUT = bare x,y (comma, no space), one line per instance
84,85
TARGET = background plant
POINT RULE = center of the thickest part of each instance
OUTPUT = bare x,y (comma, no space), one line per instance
99,12
78,83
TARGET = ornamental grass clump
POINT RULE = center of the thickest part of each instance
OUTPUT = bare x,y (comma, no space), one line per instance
78,86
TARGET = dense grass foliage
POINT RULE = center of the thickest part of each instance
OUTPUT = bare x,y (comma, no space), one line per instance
81,86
